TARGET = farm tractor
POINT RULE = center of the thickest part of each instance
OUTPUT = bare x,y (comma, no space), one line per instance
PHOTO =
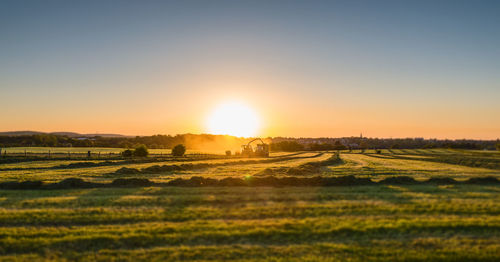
261,150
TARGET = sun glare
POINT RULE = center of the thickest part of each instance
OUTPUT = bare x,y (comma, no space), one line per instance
233,118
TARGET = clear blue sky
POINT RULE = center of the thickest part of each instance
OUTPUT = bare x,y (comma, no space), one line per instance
310,68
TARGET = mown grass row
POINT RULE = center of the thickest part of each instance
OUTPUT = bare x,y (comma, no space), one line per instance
250,181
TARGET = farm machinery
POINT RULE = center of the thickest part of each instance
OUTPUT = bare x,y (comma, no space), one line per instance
261,150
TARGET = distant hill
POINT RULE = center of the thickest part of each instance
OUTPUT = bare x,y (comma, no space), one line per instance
20,133
104,135
68,134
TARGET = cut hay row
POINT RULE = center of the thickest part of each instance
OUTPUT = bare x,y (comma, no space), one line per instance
197,181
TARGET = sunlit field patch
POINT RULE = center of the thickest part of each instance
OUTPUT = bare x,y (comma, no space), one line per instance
380,222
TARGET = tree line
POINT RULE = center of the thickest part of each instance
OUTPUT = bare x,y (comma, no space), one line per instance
327,143
191,141
205,141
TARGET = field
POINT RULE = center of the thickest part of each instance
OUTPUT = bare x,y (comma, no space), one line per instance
401,220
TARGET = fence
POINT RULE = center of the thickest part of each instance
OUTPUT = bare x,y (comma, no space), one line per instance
50,154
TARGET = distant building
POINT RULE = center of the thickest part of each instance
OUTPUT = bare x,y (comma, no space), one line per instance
353,146
85,138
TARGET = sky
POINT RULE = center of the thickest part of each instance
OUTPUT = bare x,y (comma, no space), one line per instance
306,68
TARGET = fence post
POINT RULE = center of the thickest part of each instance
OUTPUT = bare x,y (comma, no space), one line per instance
49,153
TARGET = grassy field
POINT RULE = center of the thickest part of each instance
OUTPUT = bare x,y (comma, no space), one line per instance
359,223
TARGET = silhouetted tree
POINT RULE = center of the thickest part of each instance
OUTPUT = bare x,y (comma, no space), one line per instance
363,145
338,146
141,151
179,150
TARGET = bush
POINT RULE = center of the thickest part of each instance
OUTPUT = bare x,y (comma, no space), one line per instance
179,150
141,151
127,153
398,180
127,171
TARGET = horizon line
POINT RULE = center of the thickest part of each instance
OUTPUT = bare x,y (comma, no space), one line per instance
293,137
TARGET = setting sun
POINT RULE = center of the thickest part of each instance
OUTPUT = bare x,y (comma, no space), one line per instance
233,118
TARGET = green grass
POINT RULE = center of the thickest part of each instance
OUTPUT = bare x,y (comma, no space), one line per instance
253,224
362,223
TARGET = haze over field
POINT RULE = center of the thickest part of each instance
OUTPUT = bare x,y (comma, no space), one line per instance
294,68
